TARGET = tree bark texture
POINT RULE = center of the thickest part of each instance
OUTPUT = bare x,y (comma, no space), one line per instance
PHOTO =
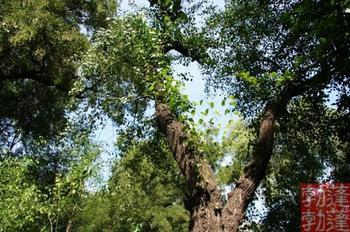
204,201
254,172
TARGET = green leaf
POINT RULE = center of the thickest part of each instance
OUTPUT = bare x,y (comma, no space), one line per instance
223,102
151,88
182,15
205,113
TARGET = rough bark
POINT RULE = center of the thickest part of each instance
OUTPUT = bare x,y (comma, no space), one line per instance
69,225
203,199
255,171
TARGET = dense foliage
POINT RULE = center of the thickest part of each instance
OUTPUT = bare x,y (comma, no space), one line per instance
66,66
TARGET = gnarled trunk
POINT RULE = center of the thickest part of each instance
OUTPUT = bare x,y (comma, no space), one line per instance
204,201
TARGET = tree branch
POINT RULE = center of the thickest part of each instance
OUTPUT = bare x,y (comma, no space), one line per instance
35,76
255,171
204,199
183,50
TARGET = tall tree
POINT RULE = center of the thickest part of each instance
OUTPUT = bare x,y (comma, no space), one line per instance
41,43
273,57
276,59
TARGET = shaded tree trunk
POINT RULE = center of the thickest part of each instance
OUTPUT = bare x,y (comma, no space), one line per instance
69,225
203,200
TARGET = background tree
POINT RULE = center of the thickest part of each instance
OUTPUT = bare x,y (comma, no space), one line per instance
37,196
41,43
144,193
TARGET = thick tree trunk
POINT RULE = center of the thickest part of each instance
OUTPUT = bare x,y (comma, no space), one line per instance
203,200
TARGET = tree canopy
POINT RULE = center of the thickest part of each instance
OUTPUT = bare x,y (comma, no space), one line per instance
67,66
